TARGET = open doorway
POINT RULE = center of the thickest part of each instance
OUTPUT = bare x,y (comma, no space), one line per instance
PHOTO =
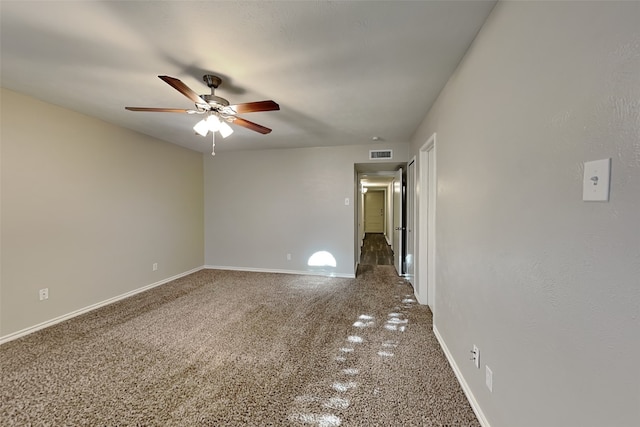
380,190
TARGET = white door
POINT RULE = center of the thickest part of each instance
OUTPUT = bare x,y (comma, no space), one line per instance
397,221
410,225
374,212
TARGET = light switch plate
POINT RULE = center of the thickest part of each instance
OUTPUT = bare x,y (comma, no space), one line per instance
595,184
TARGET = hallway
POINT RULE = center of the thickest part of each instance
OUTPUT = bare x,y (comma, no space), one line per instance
376,250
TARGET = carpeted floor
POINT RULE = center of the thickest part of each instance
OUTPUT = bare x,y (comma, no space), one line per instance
228,348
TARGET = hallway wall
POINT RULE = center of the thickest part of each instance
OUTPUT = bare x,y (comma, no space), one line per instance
545,284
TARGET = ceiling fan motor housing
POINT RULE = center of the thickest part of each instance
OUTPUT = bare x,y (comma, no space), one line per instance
215,101
213,82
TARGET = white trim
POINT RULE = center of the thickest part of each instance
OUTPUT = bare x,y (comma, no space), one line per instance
465,387
56,320
271,270
410,226
426,261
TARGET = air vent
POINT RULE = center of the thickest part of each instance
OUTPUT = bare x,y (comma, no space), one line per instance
380,154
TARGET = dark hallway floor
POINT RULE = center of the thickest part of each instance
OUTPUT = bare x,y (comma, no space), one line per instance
375,250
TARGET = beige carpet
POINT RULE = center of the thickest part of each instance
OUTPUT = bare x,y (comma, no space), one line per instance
224,348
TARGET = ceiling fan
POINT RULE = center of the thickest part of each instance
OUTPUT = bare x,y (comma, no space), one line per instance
218,112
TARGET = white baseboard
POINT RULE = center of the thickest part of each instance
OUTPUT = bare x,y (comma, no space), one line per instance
271,270
46,324
465,387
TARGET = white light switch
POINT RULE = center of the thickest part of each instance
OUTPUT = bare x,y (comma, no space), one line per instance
595,184
346,201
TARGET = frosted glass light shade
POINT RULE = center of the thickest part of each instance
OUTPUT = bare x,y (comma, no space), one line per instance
202,127
225,130
213,122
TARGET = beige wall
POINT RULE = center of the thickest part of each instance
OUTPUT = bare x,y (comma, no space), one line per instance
262,205
87,208
546,285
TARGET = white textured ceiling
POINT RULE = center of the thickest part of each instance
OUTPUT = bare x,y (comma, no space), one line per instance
342,72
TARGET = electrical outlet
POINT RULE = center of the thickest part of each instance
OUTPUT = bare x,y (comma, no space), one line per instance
489,378
155,266
475,356
44,294
288,257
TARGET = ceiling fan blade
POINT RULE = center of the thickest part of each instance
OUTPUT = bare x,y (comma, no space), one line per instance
183,89
251,107
250,125
158,110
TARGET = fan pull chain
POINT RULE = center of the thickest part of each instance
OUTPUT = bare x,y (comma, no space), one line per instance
213,143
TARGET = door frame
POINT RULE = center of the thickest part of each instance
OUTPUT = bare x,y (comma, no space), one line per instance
410,224
364,171
426,261
398,226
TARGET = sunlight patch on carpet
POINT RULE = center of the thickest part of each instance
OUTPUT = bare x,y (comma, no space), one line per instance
342,387
361,324
305,398
322,420
336,403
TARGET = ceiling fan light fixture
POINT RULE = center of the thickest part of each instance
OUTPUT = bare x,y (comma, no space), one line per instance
202,127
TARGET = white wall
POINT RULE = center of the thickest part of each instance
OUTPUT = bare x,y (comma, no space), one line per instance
262,205
87,208
546,285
